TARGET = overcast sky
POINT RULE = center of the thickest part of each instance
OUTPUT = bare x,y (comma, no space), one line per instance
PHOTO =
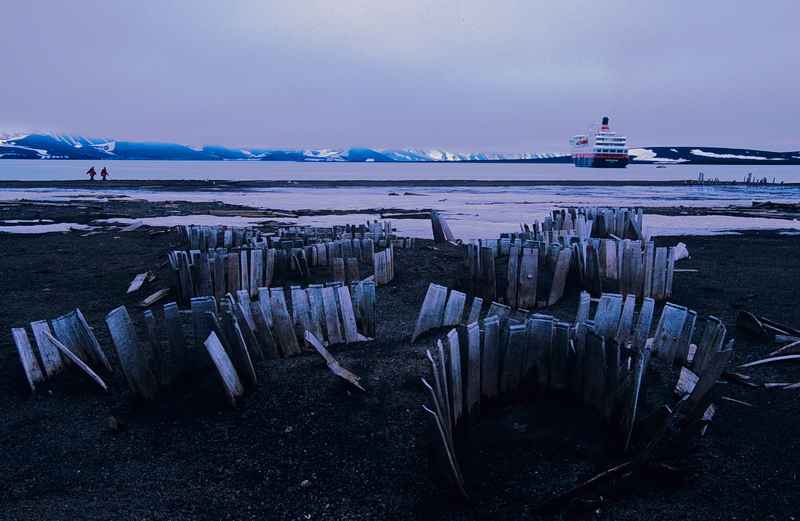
464,76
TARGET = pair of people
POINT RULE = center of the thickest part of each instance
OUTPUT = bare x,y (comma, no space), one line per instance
103,173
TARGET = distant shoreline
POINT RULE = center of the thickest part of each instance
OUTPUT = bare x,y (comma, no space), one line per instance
189,185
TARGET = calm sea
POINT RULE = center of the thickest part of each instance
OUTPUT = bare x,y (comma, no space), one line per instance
12,169
472,212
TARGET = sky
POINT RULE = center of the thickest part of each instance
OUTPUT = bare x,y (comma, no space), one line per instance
517,76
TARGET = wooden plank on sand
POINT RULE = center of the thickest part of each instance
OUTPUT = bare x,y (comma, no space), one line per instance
159,356
473,370
85,368
559,276
454,378
333,324
513,277
559,356
130,355
263,332
225,370
282,323
645,320
490,361
606,318
348,316
528,274
33,372
513,358
182,362
333,365
668,332
51,357
454,309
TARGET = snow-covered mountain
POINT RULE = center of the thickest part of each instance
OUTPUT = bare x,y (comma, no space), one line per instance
711,155
61,146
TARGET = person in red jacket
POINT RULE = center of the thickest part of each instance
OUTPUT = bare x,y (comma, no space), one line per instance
104,174
91,173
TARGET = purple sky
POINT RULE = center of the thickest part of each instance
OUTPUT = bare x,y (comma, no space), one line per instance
464,76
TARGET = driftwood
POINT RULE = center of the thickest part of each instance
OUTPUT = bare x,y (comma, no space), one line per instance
773,359
85,368
139,280
763,327
155,297
334,366
788,349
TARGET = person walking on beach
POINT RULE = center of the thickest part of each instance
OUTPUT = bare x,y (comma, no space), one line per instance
104,174
91,173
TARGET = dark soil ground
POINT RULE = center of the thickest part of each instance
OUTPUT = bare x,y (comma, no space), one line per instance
304,446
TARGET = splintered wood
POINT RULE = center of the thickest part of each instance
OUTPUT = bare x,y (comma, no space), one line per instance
333,365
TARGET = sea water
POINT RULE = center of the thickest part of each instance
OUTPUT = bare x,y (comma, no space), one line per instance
472,212
64,170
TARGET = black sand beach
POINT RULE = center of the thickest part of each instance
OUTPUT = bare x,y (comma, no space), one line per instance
303,446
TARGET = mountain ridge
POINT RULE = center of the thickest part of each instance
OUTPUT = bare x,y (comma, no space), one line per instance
63,146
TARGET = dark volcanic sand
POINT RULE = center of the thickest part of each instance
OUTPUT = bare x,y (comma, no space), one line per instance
302,447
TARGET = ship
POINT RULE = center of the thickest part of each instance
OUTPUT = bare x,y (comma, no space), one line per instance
600,148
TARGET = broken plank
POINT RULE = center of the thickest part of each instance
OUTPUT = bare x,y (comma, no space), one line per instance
85,368
155,297
334,365
137,282
788,349
773,359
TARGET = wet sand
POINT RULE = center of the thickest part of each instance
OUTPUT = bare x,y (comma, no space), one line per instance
302,446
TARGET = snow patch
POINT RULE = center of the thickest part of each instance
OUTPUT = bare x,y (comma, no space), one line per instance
703,153
645,154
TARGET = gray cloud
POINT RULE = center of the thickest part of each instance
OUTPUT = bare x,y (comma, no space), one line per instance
467,76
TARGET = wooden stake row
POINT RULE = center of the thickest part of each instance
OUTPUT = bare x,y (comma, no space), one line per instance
384,266
218,272
70,338
443,307
205,238
380,232
236,334
641,268
523,273
620,223
493,357
249,332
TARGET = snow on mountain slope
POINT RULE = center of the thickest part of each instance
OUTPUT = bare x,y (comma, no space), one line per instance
63,146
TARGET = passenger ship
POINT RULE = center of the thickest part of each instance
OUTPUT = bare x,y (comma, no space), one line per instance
600,148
